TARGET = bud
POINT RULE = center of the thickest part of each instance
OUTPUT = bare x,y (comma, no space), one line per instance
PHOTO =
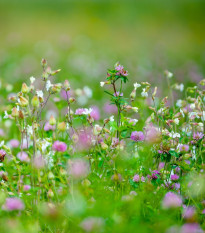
86,183
44,63
154,93
104,146
4,177
56,88
71,100
54,72
52,120
12,98
45,75
15,112
133,95
35,102
50,193
23,101
75,138
168,74
202,82
66,85
50,175
187,156
90,119
21,115
2,155
24,88
35,125
106,120
63,172
61,126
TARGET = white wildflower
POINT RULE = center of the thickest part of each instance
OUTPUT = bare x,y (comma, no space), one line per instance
48,85
39,94
111,118
169,74
32,79
102,84
192,106
87,111
144,93
136,85
135,109
6,116
1,143
176,121
174,135
179,87
29,130
179,103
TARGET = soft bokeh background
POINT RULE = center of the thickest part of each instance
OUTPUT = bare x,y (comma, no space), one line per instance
84,38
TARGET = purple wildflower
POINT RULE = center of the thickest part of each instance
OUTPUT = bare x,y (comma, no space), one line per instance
13,203
137,136
59,146
171,200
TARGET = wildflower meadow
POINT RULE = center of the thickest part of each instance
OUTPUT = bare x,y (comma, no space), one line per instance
139,167
102,116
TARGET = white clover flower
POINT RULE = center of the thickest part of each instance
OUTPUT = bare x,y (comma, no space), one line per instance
88,91
102,84
135,109
176,121
179,103
144,93
6,116
136,85
111,118
48,85
39,94
32,79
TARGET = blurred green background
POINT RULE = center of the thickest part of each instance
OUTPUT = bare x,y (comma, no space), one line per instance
84,38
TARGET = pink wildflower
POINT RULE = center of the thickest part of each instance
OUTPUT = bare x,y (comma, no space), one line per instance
23,156
59,146
171,200
137,136
13,204
14,143
78,168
